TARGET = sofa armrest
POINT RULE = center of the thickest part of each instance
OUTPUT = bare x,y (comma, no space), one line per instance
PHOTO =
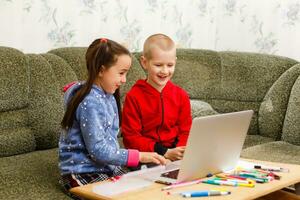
201,108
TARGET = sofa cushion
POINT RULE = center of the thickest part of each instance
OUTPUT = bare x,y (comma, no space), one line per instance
226,106
15,134
31,176
247,76
201,108
14,79
46,103
291,126
63,72
198,72
236,76
13,119
229,81
274,151
16,141
252,140
75,57
273,109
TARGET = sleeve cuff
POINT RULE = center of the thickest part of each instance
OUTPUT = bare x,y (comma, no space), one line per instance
133,158
160,149
179,144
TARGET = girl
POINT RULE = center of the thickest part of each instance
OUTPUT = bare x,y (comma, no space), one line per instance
88,146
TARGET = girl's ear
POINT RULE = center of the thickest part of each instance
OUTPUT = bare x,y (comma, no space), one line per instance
102,68
144,62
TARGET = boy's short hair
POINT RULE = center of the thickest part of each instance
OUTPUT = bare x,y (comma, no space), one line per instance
160,41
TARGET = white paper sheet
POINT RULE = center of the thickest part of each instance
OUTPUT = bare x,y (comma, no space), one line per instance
131,181
122,185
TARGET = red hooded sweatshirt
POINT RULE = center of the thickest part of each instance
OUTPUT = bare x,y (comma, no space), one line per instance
154,121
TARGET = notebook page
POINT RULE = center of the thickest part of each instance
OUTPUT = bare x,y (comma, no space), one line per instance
130,181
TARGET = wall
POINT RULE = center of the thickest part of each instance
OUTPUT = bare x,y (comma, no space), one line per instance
265,26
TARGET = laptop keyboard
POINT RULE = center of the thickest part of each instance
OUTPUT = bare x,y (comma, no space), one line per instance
171,174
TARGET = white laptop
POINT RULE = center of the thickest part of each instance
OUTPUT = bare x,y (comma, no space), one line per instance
214,145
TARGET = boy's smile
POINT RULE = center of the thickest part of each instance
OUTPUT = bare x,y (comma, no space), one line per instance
160,67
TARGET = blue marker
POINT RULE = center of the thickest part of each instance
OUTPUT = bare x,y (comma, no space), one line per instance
204,193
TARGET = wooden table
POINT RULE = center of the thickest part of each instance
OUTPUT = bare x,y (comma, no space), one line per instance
242,193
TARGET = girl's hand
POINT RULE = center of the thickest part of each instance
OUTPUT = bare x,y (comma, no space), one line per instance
175,153
150,157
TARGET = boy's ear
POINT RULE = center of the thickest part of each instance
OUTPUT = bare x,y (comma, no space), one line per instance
144,62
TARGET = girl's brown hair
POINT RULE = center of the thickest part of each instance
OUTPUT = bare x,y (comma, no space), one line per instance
100,55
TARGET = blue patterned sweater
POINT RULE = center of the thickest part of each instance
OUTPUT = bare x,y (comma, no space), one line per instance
91,144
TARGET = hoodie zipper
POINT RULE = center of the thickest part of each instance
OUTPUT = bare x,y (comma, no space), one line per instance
162,113
162,109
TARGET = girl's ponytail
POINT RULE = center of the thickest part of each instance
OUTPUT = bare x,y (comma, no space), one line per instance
69,116
117,96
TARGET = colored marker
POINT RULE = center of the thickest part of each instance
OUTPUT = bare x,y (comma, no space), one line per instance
251,175
256,179
260,180
176,185
180,192
234,180
272,169
241,182
237,177
276,177
246,184
220,182
205,193
228,183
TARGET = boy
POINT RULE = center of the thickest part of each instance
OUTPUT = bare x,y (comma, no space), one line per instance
157,113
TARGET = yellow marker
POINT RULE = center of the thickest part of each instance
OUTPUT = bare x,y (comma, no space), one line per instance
246,184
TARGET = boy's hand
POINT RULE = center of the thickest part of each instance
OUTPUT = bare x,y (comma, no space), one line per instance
168,161
175,153
150,157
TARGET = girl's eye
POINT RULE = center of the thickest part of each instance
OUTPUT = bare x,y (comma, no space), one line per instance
123,73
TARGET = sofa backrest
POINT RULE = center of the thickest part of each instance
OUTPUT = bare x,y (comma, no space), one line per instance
74,57
45,102
291,125
31,103
229,81
277,107
15,134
